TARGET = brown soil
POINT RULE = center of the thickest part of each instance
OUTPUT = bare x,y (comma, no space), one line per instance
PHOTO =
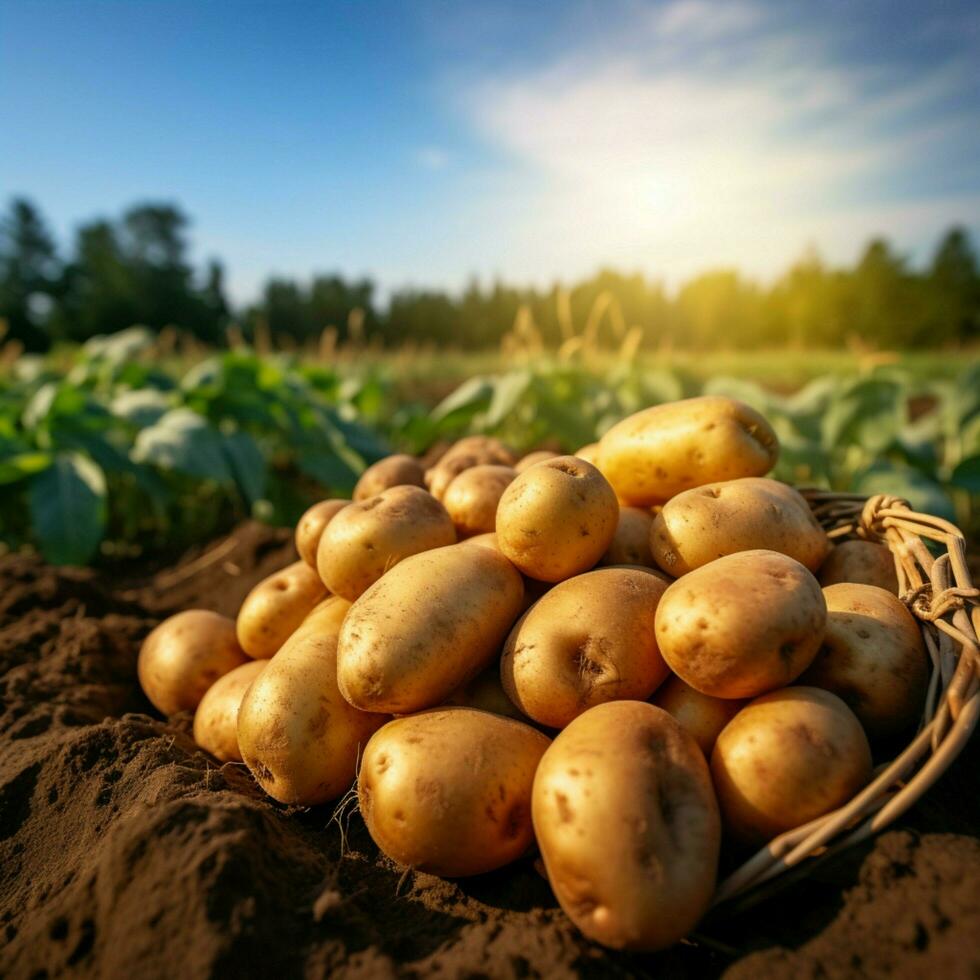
126,851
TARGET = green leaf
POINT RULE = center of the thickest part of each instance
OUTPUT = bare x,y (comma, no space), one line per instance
183,442
508,389
68,509
470,398
867,413
328,469
967,475
142,407
22,465
247,464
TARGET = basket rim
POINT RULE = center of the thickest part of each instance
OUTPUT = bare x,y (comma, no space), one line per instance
940,594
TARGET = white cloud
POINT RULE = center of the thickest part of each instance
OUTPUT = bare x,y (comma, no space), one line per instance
707,134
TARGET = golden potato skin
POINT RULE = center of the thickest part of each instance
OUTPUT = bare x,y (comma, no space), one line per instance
273,610
184,656
873,658
448,791
486,693
311,525
700,525
862,563
786,758
557,519
468,452
369,537
589,453
538,456
628,826
297,735
590,639
400,470
216,718
631,542
471,499
655,454
702,716
430,625
742,625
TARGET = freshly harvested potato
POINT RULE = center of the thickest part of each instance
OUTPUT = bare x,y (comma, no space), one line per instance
719,519
311,525
703,716
471,499
557,519
631,542
430,625
742,625
628,826
589,453
273,610
590,639
486,693
184,656
297,735
655,454
860,562
786,758
370,536
216,718
538,456
448,791
471,451
486,540
400,470
873,658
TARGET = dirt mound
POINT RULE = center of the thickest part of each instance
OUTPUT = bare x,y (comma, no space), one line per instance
125,850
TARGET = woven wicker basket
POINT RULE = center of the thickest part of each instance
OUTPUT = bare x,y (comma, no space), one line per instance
940,594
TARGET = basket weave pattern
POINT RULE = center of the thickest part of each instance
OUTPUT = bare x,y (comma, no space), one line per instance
945,603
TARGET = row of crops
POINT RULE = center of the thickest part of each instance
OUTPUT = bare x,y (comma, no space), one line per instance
119,454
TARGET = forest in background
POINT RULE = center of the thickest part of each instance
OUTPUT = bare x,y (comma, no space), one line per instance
136,270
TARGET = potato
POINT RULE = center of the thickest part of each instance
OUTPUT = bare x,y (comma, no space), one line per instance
297,735
276,606
486,540
486,693
590,639
468,452
471,499
631,542
719,519
628,826
370,536
216,718
786,758
184,656
860,562
311,525
703,716
557,519
426,628
655,454
538,456
448,791
399,470
589,453
742,625
873,658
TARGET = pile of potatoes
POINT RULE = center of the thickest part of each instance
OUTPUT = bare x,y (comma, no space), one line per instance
621,658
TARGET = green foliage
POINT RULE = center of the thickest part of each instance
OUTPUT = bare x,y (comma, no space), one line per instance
118,454
115,452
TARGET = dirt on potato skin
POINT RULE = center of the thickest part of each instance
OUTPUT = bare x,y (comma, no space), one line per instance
127,851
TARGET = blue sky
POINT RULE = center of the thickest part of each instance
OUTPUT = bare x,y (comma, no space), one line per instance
427,142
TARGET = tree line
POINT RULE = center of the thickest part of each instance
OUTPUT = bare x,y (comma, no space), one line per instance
136,269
